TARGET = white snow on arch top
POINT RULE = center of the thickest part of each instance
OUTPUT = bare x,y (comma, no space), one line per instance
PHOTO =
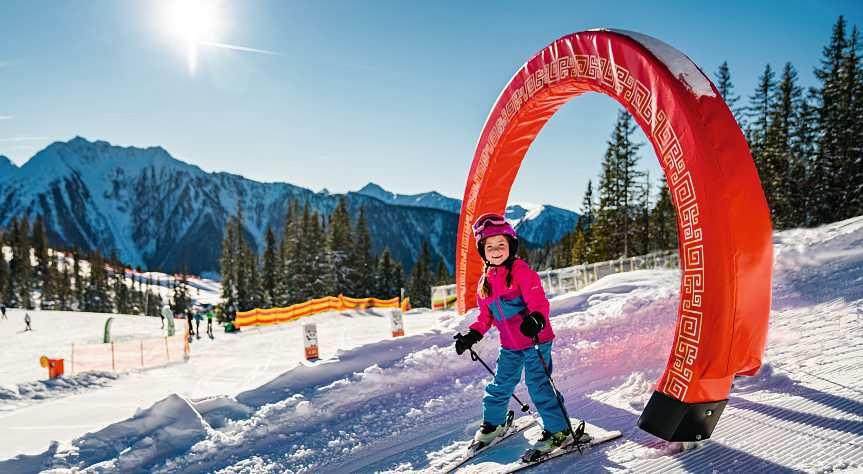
679,64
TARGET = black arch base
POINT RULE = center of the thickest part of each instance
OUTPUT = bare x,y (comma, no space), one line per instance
673,420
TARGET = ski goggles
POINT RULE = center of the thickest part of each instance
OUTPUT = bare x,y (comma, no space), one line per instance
486,220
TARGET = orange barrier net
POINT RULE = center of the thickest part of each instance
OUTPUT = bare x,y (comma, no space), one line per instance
127,355
260,317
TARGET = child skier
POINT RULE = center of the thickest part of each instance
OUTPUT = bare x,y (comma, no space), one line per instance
27,322
510,297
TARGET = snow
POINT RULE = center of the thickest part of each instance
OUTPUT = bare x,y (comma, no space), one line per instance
679,64
229,365
247,402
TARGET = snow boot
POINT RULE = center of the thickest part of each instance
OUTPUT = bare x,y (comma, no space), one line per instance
550,441
487,433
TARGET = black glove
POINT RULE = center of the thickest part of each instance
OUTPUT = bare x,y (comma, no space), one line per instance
532,324
465,342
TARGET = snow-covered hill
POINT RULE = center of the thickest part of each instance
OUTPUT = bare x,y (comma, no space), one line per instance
411,404
201,290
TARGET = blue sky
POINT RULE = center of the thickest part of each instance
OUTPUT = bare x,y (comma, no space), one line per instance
393,92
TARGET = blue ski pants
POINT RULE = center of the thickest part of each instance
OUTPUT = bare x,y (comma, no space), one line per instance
508,374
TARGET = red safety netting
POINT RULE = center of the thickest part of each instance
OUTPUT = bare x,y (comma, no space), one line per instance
127,355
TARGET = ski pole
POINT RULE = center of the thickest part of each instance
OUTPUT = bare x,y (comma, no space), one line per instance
557,394
474,356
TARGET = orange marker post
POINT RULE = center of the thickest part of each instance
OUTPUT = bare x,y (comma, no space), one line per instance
397,323
310,341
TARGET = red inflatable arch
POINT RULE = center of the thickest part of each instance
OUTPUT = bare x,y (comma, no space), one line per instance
723,221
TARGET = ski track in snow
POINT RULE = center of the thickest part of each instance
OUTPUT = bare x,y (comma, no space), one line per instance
411,404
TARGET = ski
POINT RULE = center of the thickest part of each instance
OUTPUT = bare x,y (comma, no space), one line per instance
591,436
515,427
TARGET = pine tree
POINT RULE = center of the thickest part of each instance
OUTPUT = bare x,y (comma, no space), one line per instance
341,251
96,294
250,281
20,267
579,244
42,276
80,282
643,232
776,159
154,303
229,262
804,156
388,277
726,90
442,277
303,259
826,188
582,243
602,231
663,220
64,293
182,299
397,279
122,295
321,283
271,271
4,272
361,259
614,231
759,111
290,254
51,284
850,176
421,278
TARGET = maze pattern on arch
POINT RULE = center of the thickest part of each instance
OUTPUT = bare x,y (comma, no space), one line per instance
620,83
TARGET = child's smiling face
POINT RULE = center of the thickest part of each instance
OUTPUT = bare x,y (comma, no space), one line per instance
496,249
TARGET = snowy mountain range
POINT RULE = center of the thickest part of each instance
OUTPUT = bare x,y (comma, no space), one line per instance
537,224
158,212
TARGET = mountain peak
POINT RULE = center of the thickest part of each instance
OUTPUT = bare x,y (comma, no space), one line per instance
78,140
377,192
372,188
7,168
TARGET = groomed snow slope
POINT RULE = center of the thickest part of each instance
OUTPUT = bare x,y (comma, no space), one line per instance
411,404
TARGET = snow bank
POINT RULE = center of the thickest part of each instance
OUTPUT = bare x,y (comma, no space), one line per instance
16,396
167,428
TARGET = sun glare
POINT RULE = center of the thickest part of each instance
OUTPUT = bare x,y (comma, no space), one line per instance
191,22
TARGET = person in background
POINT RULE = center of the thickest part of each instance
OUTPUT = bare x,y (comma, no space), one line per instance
27,322
199,316
3,311
210,322
189,321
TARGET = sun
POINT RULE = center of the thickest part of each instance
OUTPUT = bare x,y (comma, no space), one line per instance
191,23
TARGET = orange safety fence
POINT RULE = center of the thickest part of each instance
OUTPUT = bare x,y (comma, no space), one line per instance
261,317
126,355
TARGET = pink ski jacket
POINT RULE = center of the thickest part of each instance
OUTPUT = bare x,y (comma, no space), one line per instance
506,307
